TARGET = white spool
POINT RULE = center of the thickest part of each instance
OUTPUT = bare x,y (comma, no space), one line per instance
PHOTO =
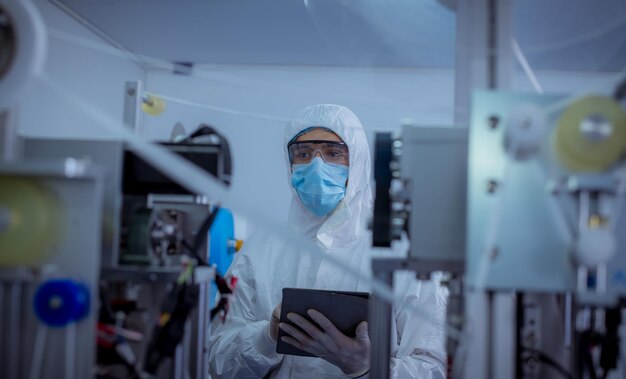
30,52
595,247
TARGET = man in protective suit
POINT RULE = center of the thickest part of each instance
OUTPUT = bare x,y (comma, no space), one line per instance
328,167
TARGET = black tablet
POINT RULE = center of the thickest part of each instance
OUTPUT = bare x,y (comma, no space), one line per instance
344,309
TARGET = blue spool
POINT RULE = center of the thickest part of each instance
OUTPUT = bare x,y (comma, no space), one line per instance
59,302
221,254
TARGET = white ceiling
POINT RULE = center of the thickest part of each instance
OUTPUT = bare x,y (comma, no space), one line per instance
584,35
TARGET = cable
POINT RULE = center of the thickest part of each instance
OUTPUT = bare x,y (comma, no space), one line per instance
544,358
203,73
208,130
200,238
220,109
605,28
521,59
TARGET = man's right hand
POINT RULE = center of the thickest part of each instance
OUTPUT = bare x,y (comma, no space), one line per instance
274,323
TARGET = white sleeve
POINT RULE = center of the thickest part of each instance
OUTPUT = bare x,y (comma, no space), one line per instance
420,348
241,347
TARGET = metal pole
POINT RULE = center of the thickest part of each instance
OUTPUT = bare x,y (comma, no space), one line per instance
380,327
14,329
9,142
484,57
3,327
484,60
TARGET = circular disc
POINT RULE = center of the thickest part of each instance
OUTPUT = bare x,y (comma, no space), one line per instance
591,134
31,222
153,105
58,302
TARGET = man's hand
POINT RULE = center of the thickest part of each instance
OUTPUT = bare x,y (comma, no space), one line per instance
274,323
349,354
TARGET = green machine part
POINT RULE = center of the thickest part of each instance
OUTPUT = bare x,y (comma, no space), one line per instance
137,249
30,222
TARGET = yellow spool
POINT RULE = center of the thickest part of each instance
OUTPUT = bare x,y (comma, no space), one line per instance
29,222
153,105
575,143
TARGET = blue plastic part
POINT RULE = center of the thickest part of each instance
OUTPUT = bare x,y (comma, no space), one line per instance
221,255
59,302
222,231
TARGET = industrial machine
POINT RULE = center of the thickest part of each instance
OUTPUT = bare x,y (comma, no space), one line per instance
155,279
105,265
50,263
523,212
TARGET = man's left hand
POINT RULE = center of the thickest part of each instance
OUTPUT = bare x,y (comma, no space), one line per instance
349,354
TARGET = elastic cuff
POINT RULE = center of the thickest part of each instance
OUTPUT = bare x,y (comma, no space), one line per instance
360,373
264,343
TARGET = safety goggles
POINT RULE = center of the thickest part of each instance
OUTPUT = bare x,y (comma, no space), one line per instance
331,152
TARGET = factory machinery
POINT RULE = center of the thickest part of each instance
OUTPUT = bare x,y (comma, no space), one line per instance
108,268
105,263
523,212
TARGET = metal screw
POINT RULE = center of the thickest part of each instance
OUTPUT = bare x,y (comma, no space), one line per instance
493,254
493,121
553,188
492,186
55,302
596,127
131,92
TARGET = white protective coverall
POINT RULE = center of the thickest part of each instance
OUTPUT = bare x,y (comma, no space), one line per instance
241,346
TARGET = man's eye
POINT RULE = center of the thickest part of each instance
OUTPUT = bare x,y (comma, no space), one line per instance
336,154
303,154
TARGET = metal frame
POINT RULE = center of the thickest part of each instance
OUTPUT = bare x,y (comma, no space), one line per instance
78,187
133,100
380,311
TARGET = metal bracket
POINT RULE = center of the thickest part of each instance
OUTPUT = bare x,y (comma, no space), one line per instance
133,99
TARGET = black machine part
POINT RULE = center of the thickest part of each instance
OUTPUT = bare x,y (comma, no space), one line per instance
205,130
381,225
205,147
170,328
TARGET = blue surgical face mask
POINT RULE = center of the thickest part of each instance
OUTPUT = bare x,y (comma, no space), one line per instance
320,185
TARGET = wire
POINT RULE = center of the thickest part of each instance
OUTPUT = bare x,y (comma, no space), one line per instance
201,236
544,358
521,59
208,130
203,73
605,28
219,109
